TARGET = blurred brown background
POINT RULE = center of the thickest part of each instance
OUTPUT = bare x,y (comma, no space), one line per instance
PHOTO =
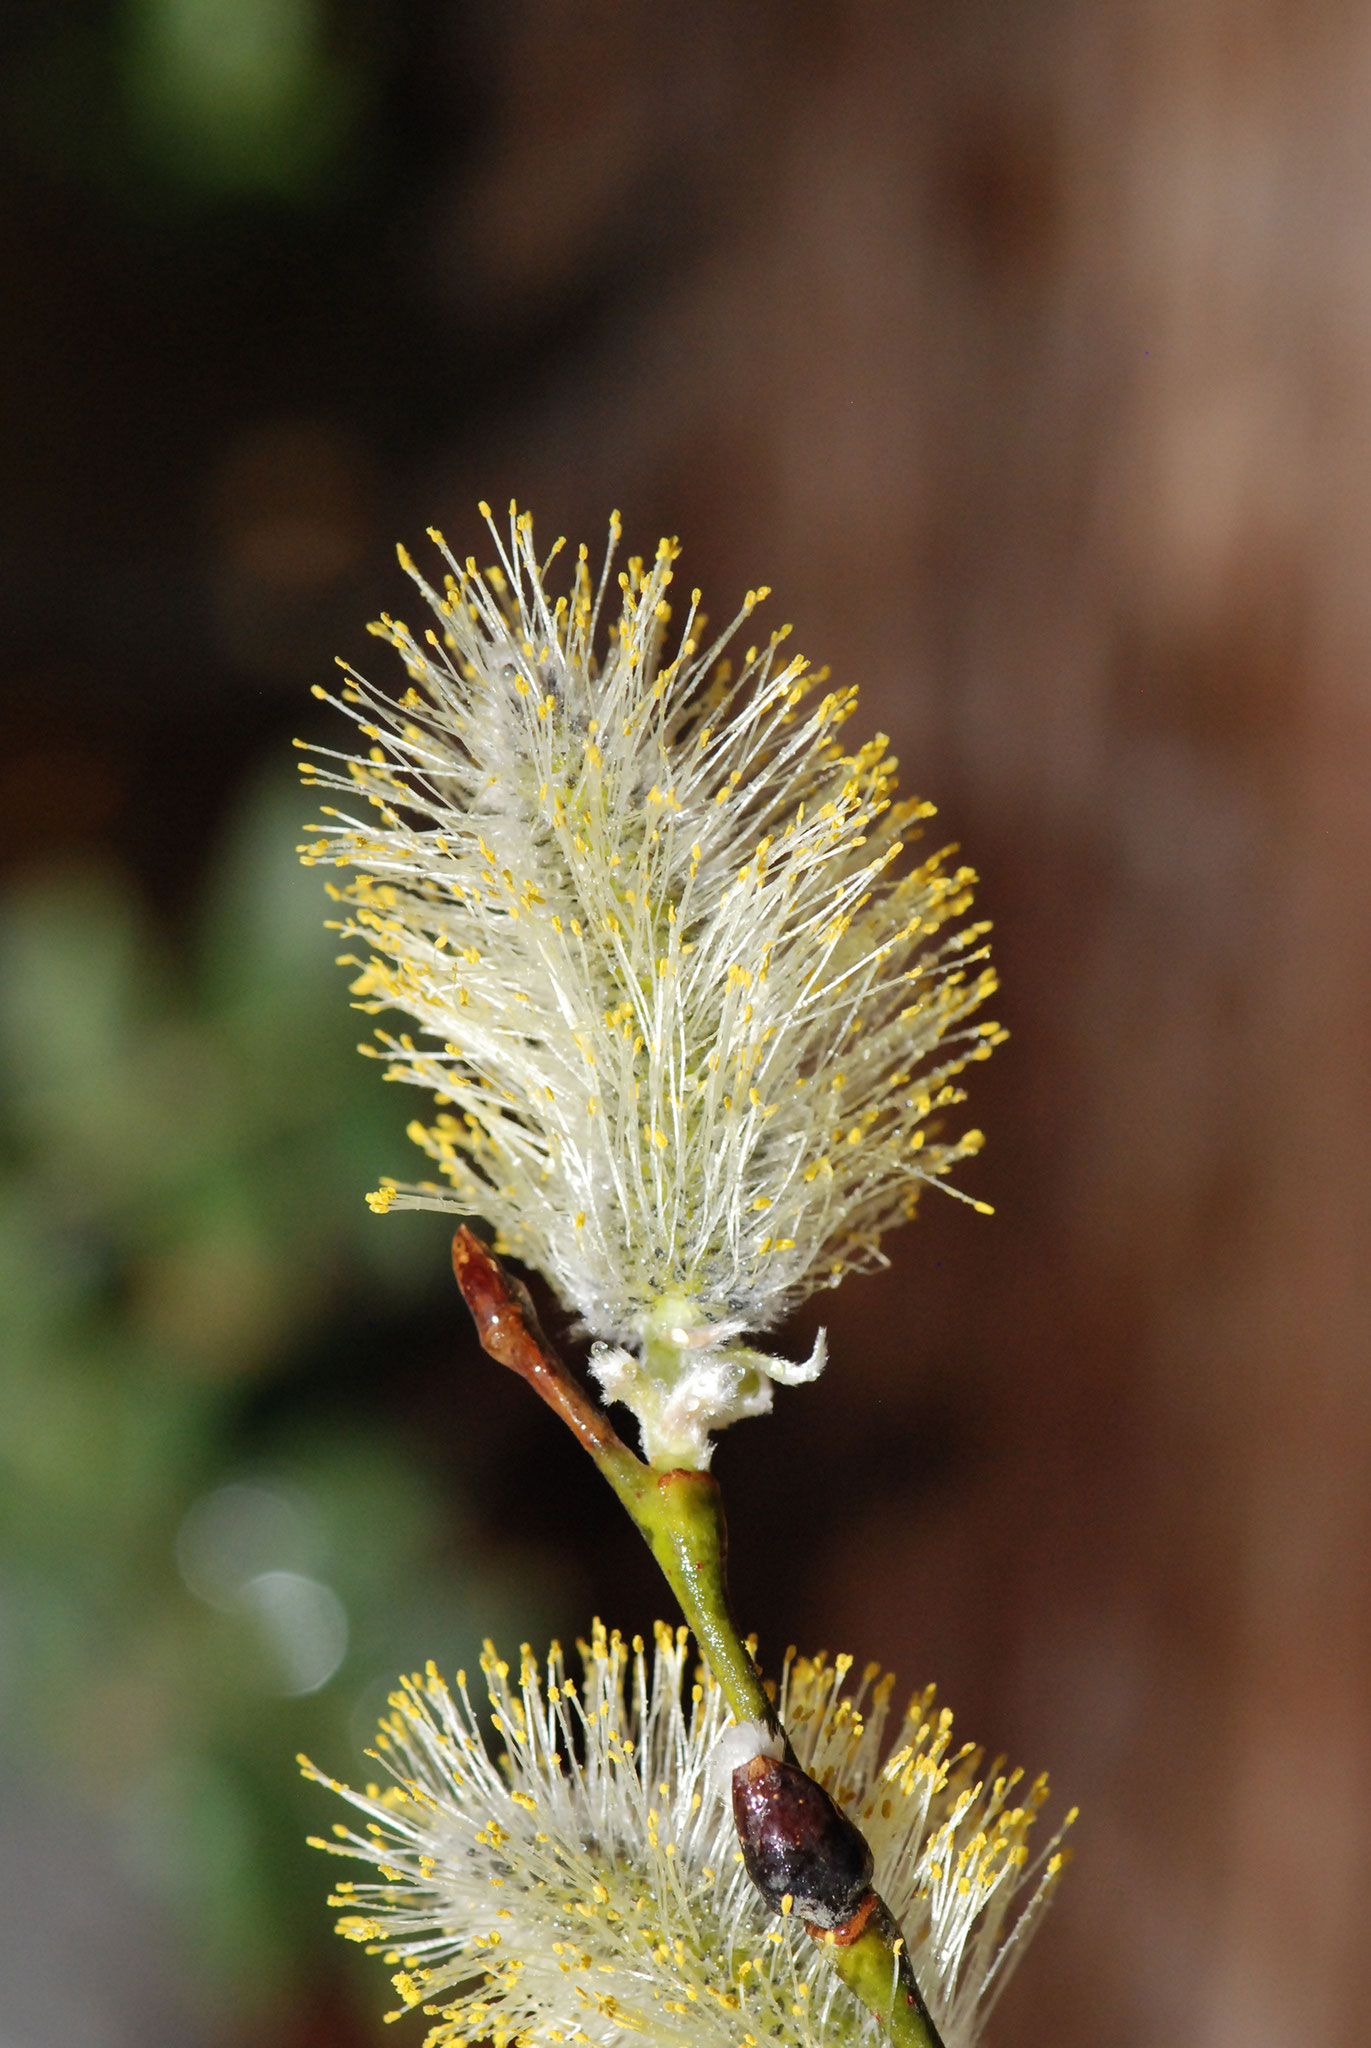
1026,352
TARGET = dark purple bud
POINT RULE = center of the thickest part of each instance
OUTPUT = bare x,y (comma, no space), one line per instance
796,1843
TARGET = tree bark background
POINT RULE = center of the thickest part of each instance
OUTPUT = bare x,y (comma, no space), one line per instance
1026,352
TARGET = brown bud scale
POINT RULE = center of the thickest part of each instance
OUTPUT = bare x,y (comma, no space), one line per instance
798,1844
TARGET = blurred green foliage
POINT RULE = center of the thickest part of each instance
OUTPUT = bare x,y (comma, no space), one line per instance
239,96
184,1146
192,103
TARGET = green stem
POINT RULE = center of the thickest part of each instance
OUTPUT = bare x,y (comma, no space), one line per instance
681,1517
876,1969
